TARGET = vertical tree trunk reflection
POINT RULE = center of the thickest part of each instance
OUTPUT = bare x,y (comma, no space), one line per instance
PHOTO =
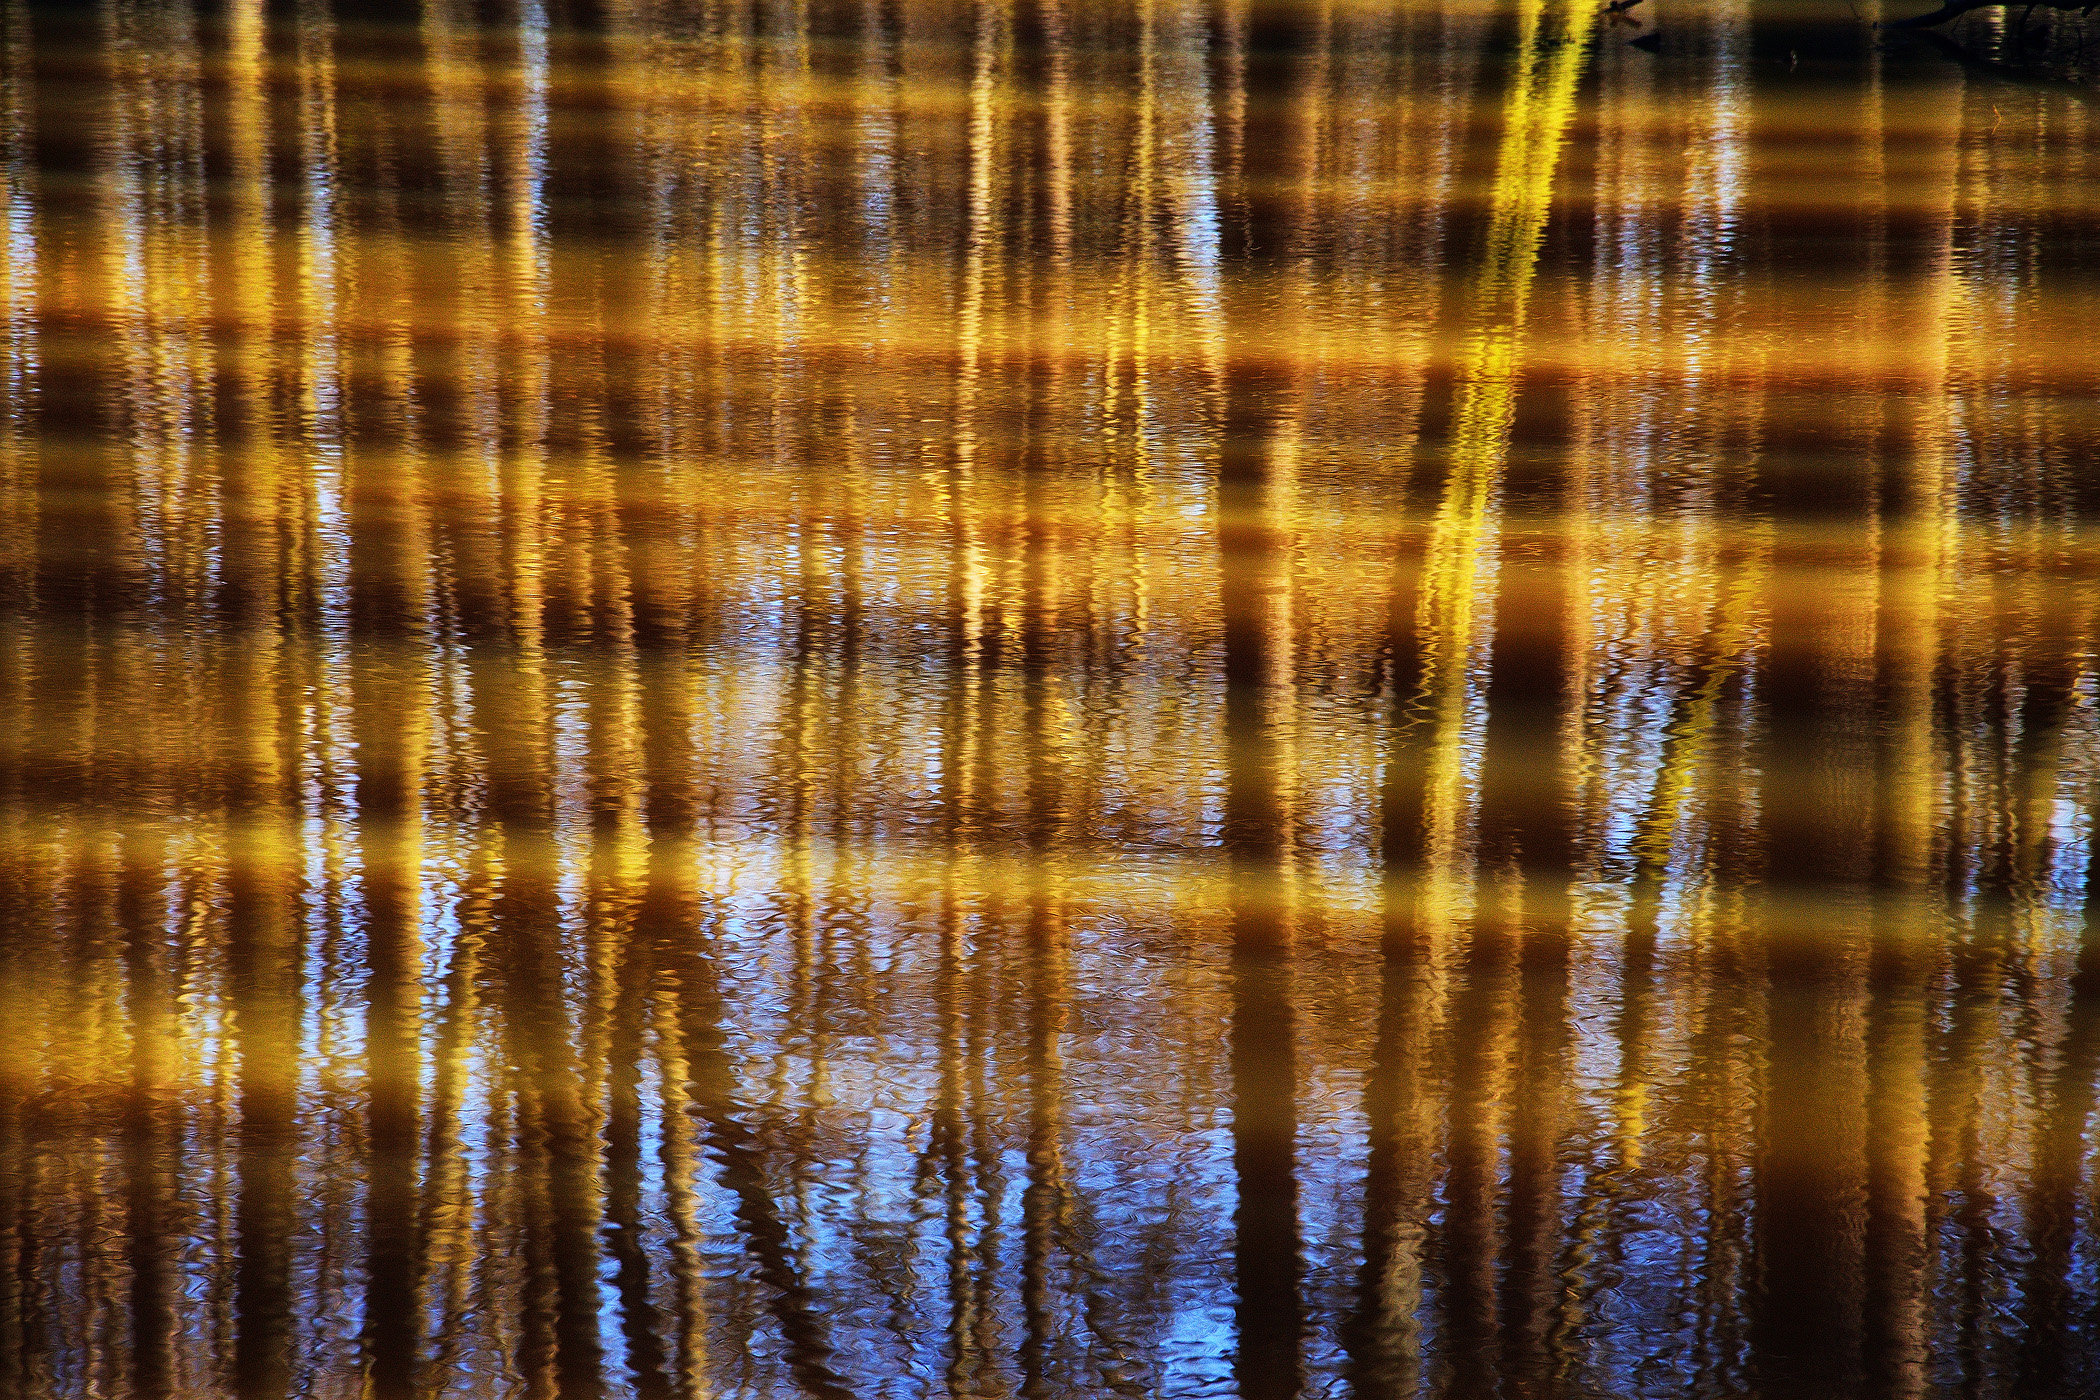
1265,46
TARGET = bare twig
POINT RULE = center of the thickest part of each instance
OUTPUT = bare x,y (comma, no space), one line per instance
1954,9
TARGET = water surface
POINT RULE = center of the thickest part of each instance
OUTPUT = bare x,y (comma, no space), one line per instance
1046,698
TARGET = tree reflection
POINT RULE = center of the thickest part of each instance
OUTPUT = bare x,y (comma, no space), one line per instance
1043,697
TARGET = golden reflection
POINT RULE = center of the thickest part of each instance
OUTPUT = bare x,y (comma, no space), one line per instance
1067,698
1456,608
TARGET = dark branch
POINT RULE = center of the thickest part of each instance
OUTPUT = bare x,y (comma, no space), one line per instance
1954,9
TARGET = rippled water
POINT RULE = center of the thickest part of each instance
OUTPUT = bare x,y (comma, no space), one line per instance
904,697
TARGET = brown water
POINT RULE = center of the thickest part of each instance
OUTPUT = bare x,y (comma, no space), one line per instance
1039,697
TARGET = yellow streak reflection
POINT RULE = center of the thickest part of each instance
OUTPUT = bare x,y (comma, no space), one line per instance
1456,609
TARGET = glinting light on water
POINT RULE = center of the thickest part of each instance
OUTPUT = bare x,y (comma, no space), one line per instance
1048,698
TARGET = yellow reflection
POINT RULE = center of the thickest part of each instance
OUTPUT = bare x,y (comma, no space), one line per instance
614,746
1456,608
